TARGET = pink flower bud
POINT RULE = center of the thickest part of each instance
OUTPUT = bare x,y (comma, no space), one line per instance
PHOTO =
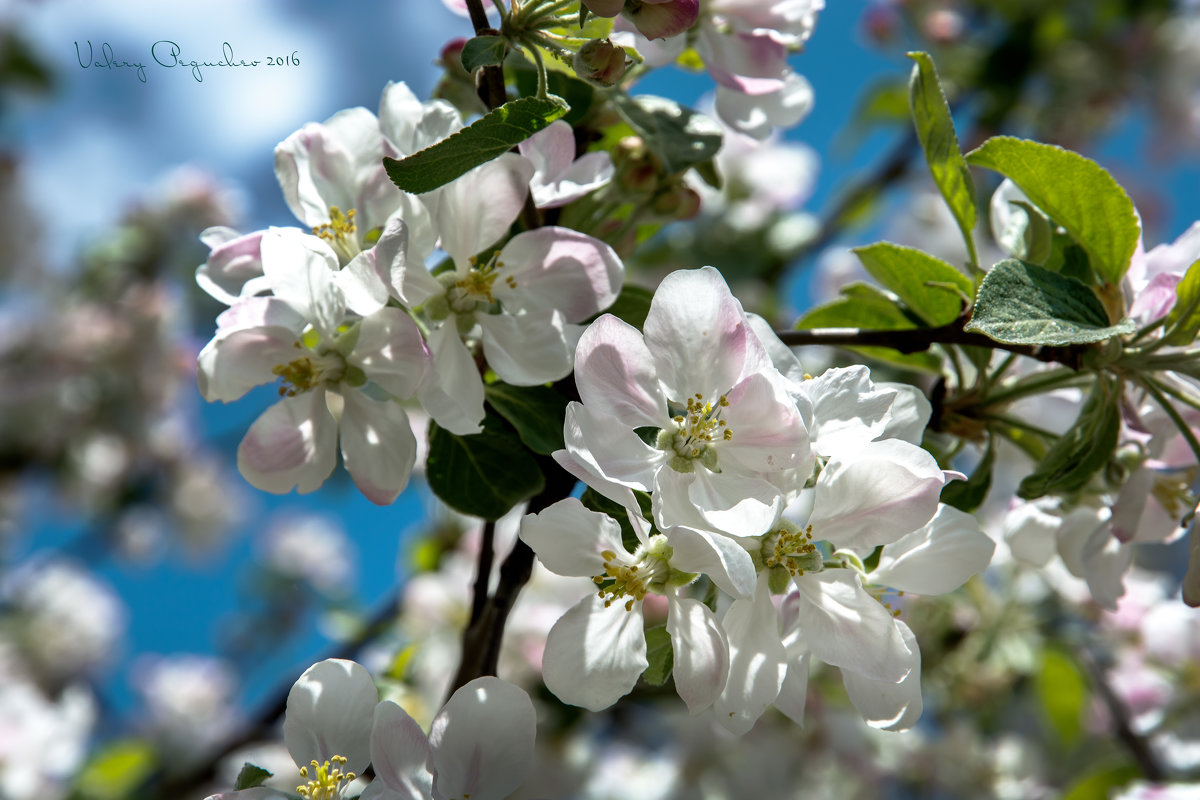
600,62
662,19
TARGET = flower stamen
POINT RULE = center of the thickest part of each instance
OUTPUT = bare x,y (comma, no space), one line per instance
325,781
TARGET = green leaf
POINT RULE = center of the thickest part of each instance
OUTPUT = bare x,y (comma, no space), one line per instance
1021,303
659,654
495,133
1028,234
907,272
251,776
1100,782
865,306
968,495
678,135
483,475
1081,451
1075,192
535,411
594,501
483,51
1183,321
935,129
116,770
1062,693
632,305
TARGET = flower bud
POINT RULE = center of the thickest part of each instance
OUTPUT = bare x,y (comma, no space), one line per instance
601,62
662,19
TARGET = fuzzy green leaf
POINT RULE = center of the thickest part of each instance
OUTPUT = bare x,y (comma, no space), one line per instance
536,412
1075,192
908,273
864,306
495,133
1022,303
483,475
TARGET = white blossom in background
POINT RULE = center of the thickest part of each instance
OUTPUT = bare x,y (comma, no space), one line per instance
189,702
313,549
43,740
70,622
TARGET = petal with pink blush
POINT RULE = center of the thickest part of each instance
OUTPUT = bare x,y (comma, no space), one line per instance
615,371
559,268
378,446
293,445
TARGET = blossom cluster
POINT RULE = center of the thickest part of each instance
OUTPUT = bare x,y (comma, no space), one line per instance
351,322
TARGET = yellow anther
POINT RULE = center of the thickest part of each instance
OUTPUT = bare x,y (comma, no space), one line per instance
325,781
340,226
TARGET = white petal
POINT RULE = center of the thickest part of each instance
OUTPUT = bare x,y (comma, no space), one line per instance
329,713
235,260
909,413
594,655
847,627
378,446
300,269
757,661
719,557
528,349
561,269
699,337
568,538
401,262
483,741
768,433
937,558
292,445
1031,532
887,705
782,357
876,495
400,754
588,173
474,211
362,285
231,365
727,502
701,656
391,352
606,445
550,150
453,394
793,695
848,409
615,373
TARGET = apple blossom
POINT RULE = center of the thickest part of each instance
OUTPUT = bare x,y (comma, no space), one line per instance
558,177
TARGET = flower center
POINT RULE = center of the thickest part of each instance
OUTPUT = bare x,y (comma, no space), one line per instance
793,550
696,432
325,781
339,232
309,371
645,571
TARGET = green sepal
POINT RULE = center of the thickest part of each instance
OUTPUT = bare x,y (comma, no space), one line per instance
1183,321
1083,450
251,776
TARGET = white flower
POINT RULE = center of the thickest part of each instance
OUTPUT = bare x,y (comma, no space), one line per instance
558,177
328,361
597,650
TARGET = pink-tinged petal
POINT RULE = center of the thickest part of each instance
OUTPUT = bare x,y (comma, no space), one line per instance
609,447
321,166
757,661
391,352
569,539
782,357
483,741
614,371
378,446
604,8
719,557
847,627
364,287
698,336
663,19
260,312
300,269
937,558
233,261
529,349
746,63
453,394
400,754
234,363
793,694
559,268
701,656
410,125
292,445
474,211
550,150
876,495
1154,301
758,115
656,52
594,655
892,706
587,174
768,433
329,713
405,271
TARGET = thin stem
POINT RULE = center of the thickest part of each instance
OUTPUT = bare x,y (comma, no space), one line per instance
956,363
483,572
998,373
543,83
1146,760
1005,419
1152,386
1035,384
